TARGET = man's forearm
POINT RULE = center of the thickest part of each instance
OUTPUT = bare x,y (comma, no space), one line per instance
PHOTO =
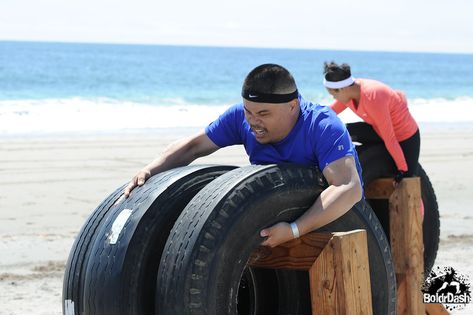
332,203
179,153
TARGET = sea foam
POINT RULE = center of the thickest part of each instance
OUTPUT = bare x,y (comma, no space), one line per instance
89,115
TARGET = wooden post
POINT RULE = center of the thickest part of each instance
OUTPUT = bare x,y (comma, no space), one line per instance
407,245
338,269
340,278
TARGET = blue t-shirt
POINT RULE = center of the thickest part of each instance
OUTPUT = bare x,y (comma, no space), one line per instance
317,139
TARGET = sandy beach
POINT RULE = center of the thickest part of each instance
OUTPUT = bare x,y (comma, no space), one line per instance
50,184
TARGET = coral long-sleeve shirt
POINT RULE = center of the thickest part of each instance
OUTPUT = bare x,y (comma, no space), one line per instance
386,110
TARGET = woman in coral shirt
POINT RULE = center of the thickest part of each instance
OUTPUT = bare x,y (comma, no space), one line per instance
384,110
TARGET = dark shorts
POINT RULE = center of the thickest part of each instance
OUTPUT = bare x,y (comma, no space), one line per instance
363,133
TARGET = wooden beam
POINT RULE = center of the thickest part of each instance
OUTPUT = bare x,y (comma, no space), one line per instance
296,254
379,189
340,279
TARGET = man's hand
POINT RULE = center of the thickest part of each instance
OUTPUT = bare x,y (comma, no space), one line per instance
277,234
138,180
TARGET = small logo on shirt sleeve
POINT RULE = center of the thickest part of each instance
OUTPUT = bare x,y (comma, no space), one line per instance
340,147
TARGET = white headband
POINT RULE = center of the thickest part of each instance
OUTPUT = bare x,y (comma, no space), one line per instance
339,84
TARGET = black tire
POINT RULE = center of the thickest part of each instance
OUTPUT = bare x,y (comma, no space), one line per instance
270,291
73,282
120,278
211,242
377,163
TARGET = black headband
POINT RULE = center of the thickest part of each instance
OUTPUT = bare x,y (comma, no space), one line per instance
269,98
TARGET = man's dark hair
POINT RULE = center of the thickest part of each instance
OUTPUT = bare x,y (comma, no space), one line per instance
269,79
334,72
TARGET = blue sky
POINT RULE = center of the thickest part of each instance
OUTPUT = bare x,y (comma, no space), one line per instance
401,25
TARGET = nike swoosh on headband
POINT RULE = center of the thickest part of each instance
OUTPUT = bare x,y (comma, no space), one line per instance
269,98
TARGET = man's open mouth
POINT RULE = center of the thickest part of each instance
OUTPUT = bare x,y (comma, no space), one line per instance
259,131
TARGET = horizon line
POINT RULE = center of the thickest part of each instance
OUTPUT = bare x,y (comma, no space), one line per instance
111,43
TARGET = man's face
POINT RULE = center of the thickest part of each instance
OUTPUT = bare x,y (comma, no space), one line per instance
340,95
270,122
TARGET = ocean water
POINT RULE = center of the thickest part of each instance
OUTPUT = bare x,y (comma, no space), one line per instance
58,87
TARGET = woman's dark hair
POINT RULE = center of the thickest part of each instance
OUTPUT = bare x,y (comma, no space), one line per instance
269,79
334,72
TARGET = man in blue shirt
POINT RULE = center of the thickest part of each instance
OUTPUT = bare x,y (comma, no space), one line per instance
276,125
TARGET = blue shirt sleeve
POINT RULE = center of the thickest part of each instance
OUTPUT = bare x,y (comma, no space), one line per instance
333,141
226,130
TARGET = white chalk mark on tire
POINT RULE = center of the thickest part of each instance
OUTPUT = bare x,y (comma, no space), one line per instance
118,225
68,307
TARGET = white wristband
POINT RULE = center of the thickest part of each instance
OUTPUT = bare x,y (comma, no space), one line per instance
295,230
